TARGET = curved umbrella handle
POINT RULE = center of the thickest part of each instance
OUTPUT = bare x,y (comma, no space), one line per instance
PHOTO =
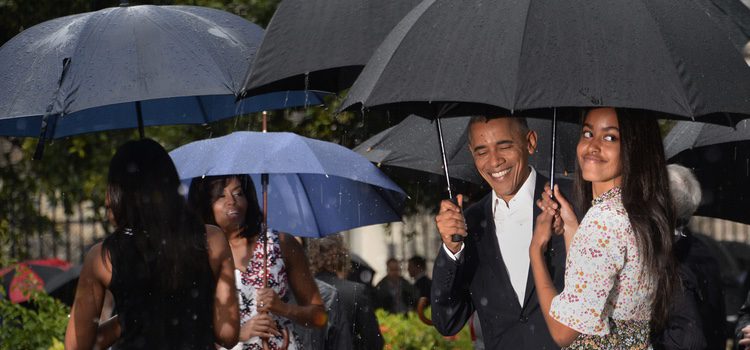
421,305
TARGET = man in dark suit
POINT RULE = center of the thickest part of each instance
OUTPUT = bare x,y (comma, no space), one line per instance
489,270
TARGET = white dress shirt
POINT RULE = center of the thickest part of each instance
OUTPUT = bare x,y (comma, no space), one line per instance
514,224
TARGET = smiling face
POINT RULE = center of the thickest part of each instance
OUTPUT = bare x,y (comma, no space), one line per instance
501,149
598,150
230,207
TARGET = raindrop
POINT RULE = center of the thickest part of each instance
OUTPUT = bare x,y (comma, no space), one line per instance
484,301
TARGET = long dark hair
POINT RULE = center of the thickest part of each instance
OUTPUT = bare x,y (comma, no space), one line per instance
647,200
206,190
144,197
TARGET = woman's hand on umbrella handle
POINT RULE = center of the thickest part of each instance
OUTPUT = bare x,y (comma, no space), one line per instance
565,213
450,221
268,301
262,325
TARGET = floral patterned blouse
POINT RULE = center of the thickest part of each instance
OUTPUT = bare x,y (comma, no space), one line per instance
606,298
251,279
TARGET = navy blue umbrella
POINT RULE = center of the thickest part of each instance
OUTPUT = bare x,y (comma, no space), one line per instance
316,188
130,66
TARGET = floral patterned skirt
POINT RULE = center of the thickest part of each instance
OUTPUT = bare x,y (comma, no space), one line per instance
623,335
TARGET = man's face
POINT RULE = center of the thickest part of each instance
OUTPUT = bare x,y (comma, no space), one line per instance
501,154
413,269
394,270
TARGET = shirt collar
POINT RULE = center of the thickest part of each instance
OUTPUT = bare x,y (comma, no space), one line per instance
524,194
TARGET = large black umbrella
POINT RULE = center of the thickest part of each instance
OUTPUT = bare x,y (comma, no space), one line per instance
127,67
321,44
448,58
413,144
732,16
720,158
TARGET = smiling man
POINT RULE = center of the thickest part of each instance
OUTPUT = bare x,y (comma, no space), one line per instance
489,271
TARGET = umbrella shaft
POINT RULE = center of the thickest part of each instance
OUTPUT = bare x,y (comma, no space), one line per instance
444,158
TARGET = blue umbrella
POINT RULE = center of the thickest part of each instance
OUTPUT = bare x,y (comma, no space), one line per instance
130,66
316,188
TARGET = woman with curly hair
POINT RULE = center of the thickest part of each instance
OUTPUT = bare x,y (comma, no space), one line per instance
330,263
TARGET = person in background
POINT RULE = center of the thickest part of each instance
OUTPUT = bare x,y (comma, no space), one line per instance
697,315
394,293
416,268
336,334
329,260
171,277
742,332
266,315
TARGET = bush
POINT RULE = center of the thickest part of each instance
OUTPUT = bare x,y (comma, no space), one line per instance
407,332
38,325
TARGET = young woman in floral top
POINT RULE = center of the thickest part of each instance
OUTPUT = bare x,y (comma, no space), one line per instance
619,271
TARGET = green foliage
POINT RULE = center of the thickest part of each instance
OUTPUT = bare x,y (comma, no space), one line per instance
407,332
39,325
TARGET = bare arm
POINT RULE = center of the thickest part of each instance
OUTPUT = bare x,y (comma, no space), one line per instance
226,313
545,289
95,276
310,311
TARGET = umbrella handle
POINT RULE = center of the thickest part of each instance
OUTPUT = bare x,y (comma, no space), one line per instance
456,237
421,306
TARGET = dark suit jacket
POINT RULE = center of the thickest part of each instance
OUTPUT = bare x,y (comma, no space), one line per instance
353,297
479,281
423,286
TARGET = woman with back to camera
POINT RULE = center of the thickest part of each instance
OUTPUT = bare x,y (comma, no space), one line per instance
171,277
230,202
620,272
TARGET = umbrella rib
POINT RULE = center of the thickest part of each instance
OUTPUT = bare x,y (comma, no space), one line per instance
674,66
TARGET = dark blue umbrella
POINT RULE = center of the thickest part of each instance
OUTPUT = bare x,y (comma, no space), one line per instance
316,188
130,66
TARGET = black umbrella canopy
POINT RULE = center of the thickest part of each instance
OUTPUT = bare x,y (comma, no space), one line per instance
449,58
723,171
720,158
321,44
413,144
732,16
688,135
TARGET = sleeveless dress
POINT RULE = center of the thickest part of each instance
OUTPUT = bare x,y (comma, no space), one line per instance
251,280
606,298
150,319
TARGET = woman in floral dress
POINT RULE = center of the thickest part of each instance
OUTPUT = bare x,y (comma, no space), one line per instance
230,202
619,272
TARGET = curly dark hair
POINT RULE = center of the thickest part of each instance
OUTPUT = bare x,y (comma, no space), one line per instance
328,254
